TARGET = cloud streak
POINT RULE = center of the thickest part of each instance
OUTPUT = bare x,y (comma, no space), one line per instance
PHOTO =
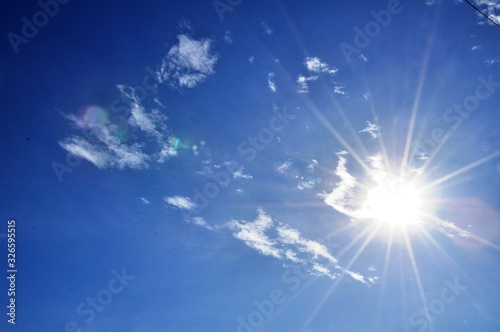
285,243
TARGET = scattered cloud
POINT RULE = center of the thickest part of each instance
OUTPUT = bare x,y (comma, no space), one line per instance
199,221
266,29
303,87
251,59
280,241
315,65
180,202
339,89
187,63
372,129
490,62
476,48
270,83
228,38
145,201
363,57
238,174
349,196
106,143
491,8
284,167
312,165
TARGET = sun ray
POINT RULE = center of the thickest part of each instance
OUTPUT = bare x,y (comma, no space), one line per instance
416,104
459,171
384,275
417,277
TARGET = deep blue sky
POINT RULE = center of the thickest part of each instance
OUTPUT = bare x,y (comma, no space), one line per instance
225,165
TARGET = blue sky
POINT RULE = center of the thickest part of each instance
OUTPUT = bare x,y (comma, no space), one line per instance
251,166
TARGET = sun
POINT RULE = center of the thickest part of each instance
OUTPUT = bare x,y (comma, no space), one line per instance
393,201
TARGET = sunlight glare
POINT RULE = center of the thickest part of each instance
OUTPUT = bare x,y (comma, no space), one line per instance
394,202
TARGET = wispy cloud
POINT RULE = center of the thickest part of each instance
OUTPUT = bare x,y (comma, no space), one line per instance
228,38
349,196
315,65
289,245
107,144
318,67
270,83
145,201
302,84
372,129
239,174
188,63
180,202
199,221
490,8
490,62
266,29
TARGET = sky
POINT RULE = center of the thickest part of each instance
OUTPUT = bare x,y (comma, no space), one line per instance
236,165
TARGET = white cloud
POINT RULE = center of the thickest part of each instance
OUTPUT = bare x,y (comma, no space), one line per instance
145,201
201,222
238,174
270,83
339,89
372,129
476,48
83,149
251,59
490,62
491,8
312,165
106,143
315,65
309,184
188,63
349,197
341,197
288,245
180,202
253,234
228,38
303,87
284,167
266,29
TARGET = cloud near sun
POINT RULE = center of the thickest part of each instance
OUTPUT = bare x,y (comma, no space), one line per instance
385,198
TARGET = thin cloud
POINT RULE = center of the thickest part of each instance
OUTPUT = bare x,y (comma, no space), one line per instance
228,38
145,201
490,62
341,197
315,65
284,167
302,84
180,202
288,245
266,29
106,144
270,83
199,221
345,196
372,129
339,89
238,174
188,63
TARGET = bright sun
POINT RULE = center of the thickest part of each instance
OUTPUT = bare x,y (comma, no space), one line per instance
394,202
